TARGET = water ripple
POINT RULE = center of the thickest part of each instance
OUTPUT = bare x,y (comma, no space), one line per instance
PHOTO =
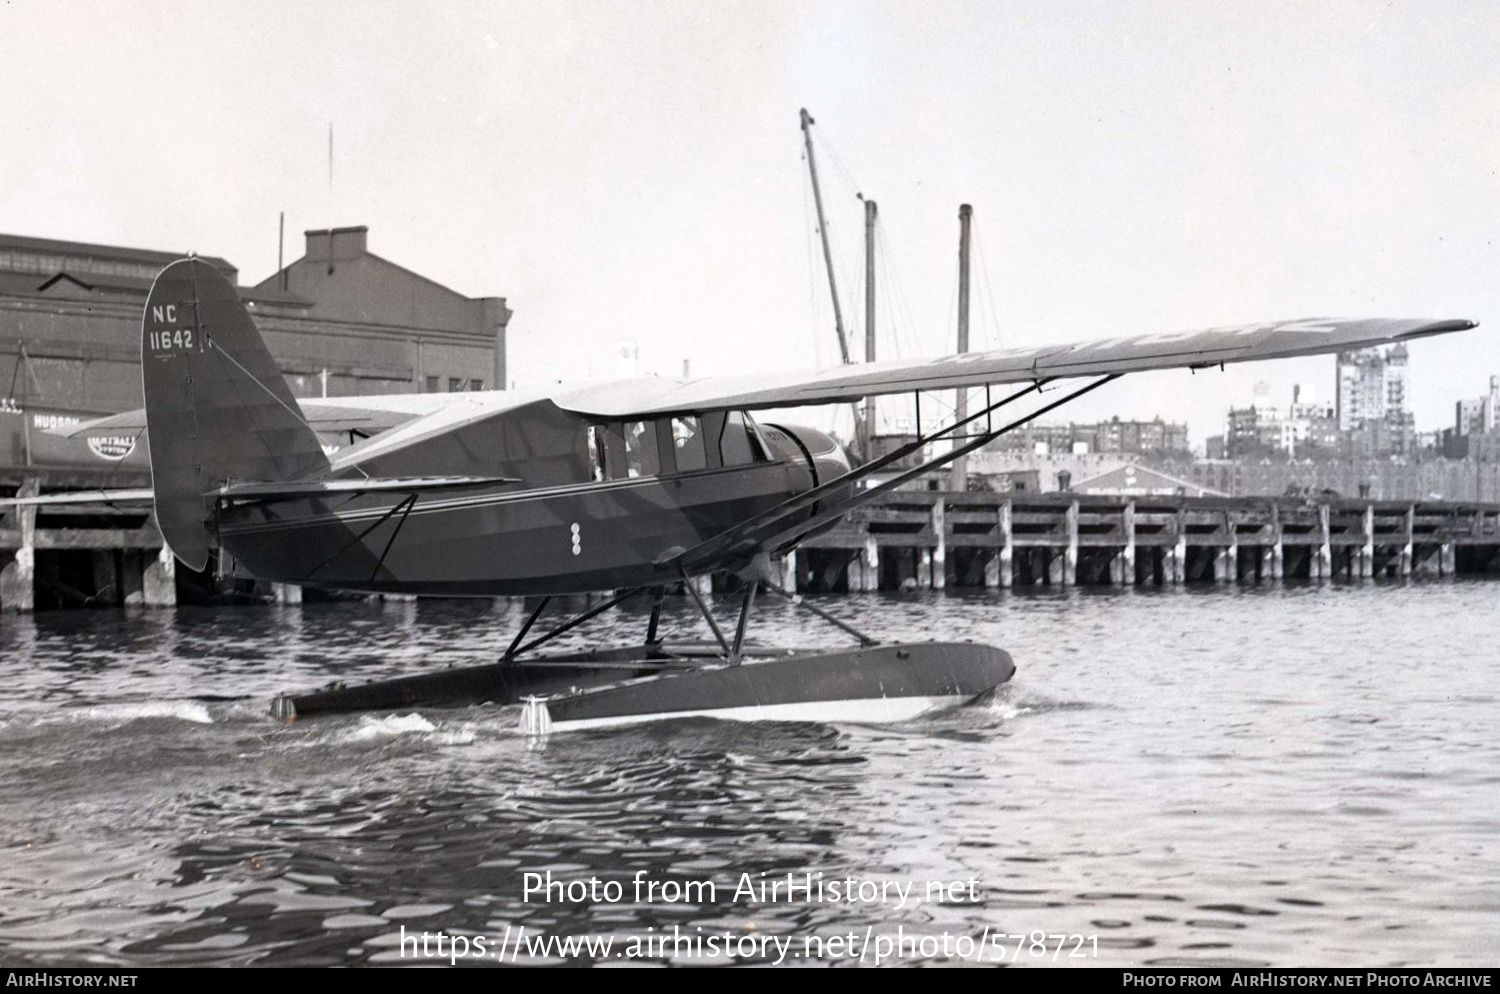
1292,776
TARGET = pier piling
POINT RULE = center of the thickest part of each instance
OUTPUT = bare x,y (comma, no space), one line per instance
998,541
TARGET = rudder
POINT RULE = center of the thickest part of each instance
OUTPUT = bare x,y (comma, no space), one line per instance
217,406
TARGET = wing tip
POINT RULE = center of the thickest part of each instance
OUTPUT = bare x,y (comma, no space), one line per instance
1424,328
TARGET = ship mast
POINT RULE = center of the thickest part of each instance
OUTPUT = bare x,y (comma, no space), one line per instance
867,439
833,287
959,478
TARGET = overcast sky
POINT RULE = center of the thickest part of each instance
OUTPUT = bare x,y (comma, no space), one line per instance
634,170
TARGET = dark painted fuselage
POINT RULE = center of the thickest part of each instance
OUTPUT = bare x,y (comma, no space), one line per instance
565,527
495,542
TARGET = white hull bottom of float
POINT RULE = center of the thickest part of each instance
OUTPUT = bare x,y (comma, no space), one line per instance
870,685
536,719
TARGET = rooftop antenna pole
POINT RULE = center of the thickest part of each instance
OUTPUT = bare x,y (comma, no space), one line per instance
960,470
281,249
330,198
833,288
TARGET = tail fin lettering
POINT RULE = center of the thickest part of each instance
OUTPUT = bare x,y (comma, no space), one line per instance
217,406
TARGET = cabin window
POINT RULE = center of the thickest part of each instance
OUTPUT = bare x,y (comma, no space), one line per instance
738,442
641,458
621,451
607,451
687,443
597,452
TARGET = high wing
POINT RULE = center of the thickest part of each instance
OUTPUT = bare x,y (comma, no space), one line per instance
651,396
1195,349
781,527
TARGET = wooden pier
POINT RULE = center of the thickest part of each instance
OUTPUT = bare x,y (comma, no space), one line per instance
86,555
935,540
904,540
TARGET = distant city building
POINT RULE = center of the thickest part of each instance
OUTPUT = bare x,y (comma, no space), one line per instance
1361,387
1311,423
1370,415
1373,400
1307,425
1476,427
1114,436
1479,414
1255,429
1397,383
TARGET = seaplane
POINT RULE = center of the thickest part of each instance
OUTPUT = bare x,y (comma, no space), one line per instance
624,489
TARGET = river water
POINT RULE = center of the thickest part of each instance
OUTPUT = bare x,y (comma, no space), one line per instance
1286,775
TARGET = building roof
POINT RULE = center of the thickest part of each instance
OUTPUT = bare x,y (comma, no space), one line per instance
53,246
88,281
1133,478
28,283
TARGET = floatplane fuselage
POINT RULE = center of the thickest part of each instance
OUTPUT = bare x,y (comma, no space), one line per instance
589,506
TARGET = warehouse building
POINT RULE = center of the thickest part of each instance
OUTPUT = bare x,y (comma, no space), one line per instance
340,320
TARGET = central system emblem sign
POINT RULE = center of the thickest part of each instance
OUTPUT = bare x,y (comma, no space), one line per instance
112,447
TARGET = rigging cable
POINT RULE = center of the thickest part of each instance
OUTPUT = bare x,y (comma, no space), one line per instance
992,311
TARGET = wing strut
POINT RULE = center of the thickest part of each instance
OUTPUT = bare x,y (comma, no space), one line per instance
810,498
768,530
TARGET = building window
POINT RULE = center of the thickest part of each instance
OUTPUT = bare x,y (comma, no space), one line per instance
431,385
476,384
455,384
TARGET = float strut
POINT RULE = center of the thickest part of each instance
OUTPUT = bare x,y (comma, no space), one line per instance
530,620
843,626
651,626
576,621
739,631
687,584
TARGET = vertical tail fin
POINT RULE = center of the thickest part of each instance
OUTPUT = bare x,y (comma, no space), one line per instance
217,407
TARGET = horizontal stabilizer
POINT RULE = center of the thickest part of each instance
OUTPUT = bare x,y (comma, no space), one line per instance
115,498
300,489
366,415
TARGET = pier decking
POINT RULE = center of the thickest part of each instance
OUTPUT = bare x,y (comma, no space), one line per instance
934,540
